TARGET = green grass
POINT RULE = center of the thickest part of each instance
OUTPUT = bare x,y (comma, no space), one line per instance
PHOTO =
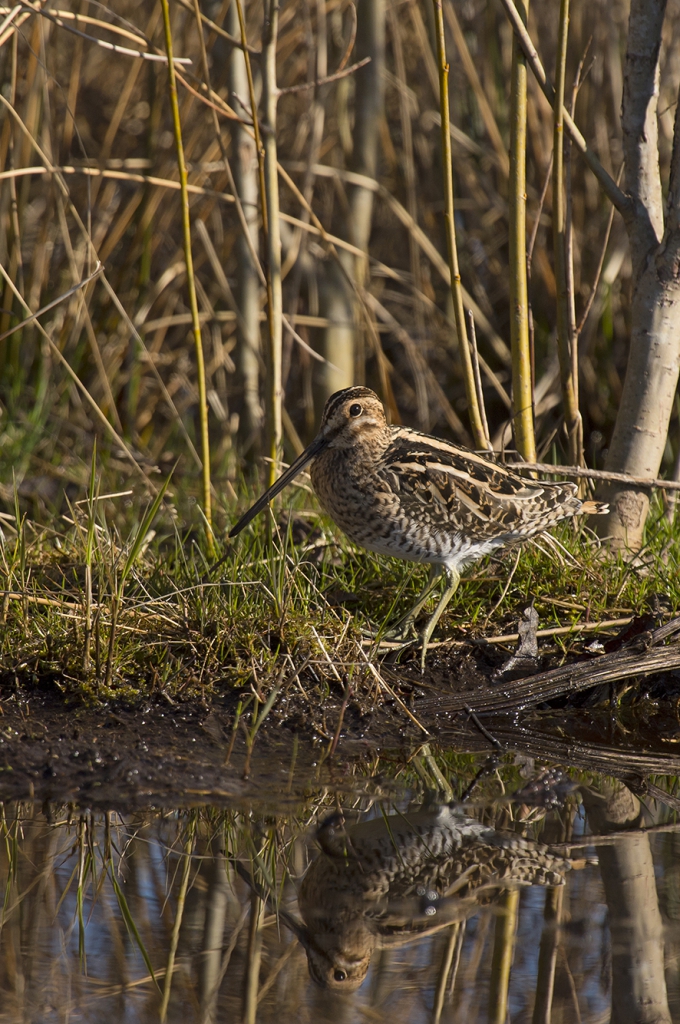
185,628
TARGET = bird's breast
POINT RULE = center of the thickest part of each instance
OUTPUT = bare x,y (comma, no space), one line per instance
349,486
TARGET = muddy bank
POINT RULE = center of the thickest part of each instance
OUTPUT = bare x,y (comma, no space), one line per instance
162,754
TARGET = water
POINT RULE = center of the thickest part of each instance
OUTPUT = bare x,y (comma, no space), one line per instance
414,909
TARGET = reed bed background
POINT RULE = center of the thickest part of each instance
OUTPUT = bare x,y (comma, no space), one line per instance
103,121
160,355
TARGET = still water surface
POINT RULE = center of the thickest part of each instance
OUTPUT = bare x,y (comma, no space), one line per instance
349,906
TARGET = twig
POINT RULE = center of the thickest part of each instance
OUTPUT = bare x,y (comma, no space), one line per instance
87,19
598,273
219,107
385,686
323,81
506,588
484,731
577,627
214,27
352,37
274,388
184,886
539,211
596,474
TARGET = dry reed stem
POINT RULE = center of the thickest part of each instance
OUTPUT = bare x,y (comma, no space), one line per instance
473,78
619,198
478,377
547,957
456,289
274,389
191,284
57,19
566,340
522,382
181,900
597,474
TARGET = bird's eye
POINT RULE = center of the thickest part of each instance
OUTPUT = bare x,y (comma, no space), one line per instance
339,975
355,410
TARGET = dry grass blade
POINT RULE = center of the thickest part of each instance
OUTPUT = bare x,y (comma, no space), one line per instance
55,302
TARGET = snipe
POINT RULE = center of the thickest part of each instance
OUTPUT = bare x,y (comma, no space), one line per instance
398,492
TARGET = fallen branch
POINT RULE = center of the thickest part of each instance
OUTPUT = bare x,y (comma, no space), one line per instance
642,657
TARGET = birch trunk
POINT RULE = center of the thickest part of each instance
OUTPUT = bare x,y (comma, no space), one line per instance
637,943
639,437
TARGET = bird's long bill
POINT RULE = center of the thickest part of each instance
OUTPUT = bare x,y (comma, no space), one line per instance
308,454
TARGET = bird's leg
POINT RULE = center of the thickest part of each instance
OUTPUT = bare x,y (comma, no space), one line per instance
402,629
452,581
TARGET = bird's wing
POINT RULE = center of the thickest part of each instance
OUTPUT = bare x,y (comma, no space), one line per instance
454,481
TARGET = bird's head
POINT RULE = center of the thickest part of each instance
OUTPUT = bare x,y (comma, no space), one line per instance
351,416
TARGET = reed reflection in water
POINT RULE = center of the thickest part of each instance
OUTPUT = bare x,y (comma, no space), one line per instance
408,913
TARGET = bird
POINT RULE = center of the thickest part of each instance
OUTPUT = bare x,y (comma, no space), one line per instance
397,877
397,491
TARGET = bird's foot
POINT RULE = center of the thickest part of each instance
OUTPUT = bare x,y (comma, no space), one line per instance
403,631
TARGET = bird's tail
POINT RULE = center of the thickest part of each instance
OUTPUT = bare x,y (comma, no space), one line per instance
593,508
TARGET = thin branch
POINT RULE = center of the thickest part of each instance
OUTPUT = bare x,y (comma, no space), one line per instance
598,273
579,473
323,81
214,27
88,20
272,239
352,37
221,107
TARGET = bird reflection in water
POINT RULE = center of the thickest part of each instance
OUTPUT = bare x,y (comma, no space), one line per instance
395,878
